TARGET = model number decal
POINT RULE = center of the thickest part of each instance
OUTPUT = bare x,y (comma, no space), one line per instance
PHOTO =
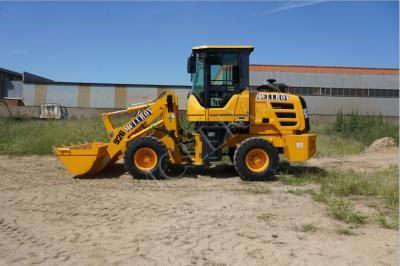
272,97
138,119
119,137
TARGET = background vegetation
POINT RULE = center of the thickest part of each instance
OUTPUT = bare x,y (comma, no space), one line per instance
350,134
24,136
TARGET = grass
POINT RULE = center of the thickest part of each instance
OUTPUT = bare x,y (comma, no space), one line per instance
387,222
340,190
350,134
343,210
297,192
28,136
346,231
265,217
382,184
331,144
24,136
307,228
298,178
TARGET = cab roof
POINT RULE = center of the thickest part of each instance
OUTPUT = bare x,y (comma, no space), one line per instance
204,47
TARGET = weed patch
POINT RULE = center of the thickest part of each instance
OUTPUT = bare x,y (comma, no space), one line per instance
307,228
346,231
387,222
343,210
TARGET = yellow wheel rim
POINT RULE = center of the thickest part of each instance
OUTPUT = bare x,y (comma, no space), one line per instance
257,160
145,159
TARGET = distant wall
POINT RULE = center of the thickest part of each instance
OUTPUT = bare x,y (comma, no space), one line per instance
96,96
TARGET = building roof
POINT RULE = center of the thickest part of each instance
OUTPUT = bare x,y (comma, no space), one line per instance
78,83
324,69
10,72
223,47
29,77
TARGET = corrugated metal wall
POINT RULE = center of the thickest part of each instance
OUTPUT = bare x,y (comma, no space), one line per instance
330,80
120,96
95,96
328,105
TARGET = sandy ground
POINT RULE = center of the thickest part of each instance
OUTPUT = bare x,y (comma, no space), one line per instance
208,217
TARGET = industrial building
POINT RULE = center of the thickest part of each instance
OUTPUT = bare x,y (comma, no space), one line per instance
326,89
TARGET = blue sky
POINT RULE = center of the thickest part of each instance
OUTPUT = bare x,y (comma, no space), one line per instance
139,42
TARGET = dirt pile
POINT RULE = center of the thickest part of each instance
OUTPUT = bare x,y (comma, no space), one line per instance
381,144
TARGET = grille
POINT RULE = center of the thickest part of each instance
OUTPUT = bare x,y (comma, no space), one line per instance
282,106
285,115
288,123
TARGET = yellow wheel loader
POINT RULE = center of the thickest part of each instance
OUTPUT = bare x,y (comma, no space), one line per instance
250,125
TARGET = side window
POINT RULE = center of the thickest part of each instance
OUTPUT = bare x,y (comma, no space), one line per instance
224,70
223,77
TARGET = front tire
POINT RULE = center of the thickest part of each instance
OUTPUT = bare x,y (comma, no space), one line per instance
255,159
146,158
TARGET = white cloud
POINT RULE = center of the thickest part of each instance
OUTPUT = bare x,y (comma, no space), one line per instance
19,51
291,5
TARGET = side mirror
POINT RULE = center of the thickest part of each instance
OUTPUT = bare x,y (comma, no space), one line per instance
191,64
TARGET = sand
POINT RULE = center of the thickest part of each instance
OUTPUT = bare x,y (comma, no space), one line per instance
208,217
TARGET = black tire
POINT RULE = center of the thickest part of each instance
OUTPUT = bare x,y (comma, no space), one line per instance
231,153
244,148
158,171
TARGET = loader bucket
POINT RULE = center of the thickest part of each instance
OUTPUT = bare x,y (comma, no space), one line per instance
84,159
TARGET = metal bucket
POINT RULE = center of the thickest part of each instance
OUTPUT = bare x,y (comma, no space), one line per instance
83,159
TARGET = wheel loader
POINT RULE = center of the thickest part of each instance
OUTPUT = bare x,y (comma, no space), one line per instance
251,125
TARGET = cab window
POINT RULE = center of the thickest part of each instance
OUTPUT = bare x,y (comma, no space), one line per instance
224,69
223,78
198,81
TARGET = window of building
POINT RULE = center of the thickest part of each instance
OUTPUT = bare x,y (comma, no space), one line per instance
350,92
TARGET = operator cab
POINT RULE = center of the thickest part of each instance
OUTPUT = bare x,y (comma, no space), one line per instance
218,73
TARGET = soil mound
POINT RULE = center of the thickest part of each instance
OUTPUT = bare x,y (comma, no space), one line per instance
381,144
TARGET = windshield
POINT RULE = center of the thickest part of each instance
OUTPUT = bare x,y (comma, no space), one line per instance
198,81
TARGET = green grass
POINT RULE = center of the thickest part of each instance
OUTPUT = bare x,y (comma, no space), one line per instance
265,217
382,184
366,129
343,210
388,222
297,192
331,144
24,136
307,228
346,231
340,190
350,134
297,178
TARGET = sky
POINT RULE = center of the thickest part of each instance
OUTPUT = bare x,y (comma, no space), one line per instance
149,42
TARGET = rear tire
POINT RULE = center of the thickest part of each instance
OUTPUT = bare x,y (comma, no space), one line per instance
255,159
146,158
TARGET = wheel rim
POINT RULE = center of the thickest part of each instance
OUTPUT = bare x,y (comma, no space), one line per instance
145,159
257,160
